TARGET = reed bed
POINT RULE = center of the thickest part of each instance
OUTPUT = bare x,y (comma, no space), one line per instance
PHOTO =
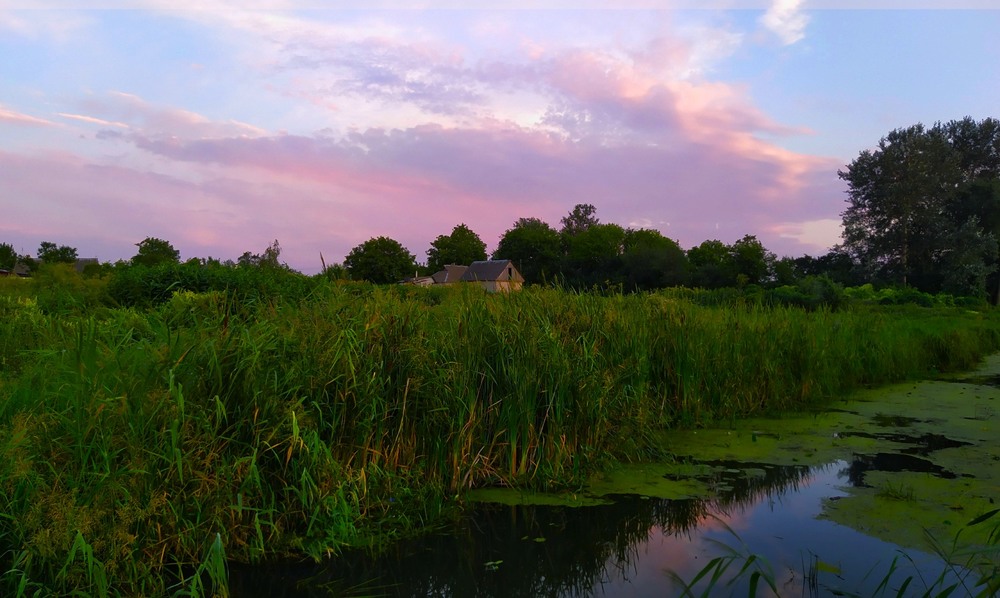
140,449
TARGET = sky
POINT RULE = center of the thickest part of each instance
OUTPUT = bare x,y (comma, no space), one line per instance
223,126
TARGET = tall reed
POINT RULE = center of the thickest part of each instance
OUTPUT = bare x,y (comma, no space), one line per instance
134,437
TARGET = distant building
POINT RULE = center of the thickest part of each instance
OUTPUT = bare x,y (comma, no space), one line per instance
450,275
496,276
493,275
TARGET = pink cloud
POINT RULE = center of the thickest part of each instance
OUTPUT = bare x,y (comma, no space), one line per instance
125,110
18,118
499,173
631,131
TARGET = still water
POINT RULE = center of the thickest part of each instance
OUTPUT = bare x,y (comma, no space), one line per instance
635,546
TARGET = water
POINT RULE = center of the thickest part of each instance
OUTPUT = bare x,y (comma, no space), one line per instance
633,547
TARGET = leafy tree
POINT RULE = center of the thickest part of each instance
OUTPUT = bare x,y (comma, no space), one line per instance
268,259
837,265
593,255
380,260
579,219
978,146
8,257
924,206
534,247
895,222
50,253
462,246
153,251
652,261
785,272
712,265
751,261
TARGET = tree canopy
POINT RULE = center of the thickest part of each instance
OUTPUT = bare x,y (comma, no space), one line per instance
580,218
8,257
924,206
462,246
268,259
652,261
380,260
153,252
534,247
50,253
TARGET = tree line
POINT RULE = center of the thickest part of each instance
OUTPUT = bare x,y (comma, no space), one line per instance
586,253
923,213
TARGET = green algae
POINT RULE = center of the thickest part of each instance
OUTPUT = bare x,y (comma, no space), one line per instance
951,424
896,419
907,507
514,496
656,480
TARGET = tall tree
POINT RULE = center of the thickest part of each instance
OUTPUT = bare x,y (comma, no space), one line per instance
8,257
712,265
751,261
153,251
580,218
652,261
380,260
921,210
50,253
894,222
534,247
593,255
462,246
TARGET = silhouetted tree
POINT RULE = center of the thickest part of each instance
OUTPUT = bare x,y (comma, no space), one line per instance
50,253
534,247
462,246
153,251
380,260
579,219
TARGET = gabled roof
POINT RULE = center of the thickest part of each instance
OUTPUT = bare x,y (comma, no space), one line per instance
492,270
451,273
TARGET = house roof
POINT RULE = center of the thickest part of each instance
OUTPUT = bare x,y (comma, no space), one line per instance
492,270
451,273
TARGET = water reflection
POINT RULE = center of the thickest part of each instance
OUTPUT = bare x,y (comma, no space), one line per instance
624,548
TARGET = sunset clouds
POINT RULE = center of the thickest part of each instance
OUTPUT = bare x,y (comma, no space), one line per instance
224,130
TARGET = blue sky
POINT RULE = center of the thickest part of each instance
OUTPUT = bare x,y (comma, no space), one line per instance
223,129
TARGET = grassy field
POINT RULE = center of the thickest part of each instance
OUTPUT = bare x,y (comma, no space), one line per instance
140,448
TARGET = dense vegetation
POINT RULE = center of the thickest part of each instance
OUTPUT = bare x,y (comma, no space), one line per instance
161,419
158,418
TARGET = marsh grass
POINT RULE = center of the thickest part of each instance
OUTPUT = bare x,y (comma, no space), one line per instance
354,414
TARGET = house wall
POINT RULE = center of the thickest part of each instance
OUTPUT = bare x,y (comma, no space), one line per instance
500,286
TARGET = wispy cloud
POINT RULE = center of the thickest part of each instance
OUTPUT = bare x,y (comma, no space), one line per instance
421,132
126,110
92,120
786,20
18,118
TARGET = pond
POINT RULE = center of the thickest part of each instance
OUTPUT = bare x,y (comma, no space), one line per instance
836,503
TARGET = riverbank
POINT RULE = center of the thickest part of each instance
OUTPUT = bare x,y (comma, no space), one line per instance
139,445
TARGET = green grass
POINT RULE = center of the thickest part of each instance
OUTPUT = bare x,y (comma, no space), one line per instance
141,448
